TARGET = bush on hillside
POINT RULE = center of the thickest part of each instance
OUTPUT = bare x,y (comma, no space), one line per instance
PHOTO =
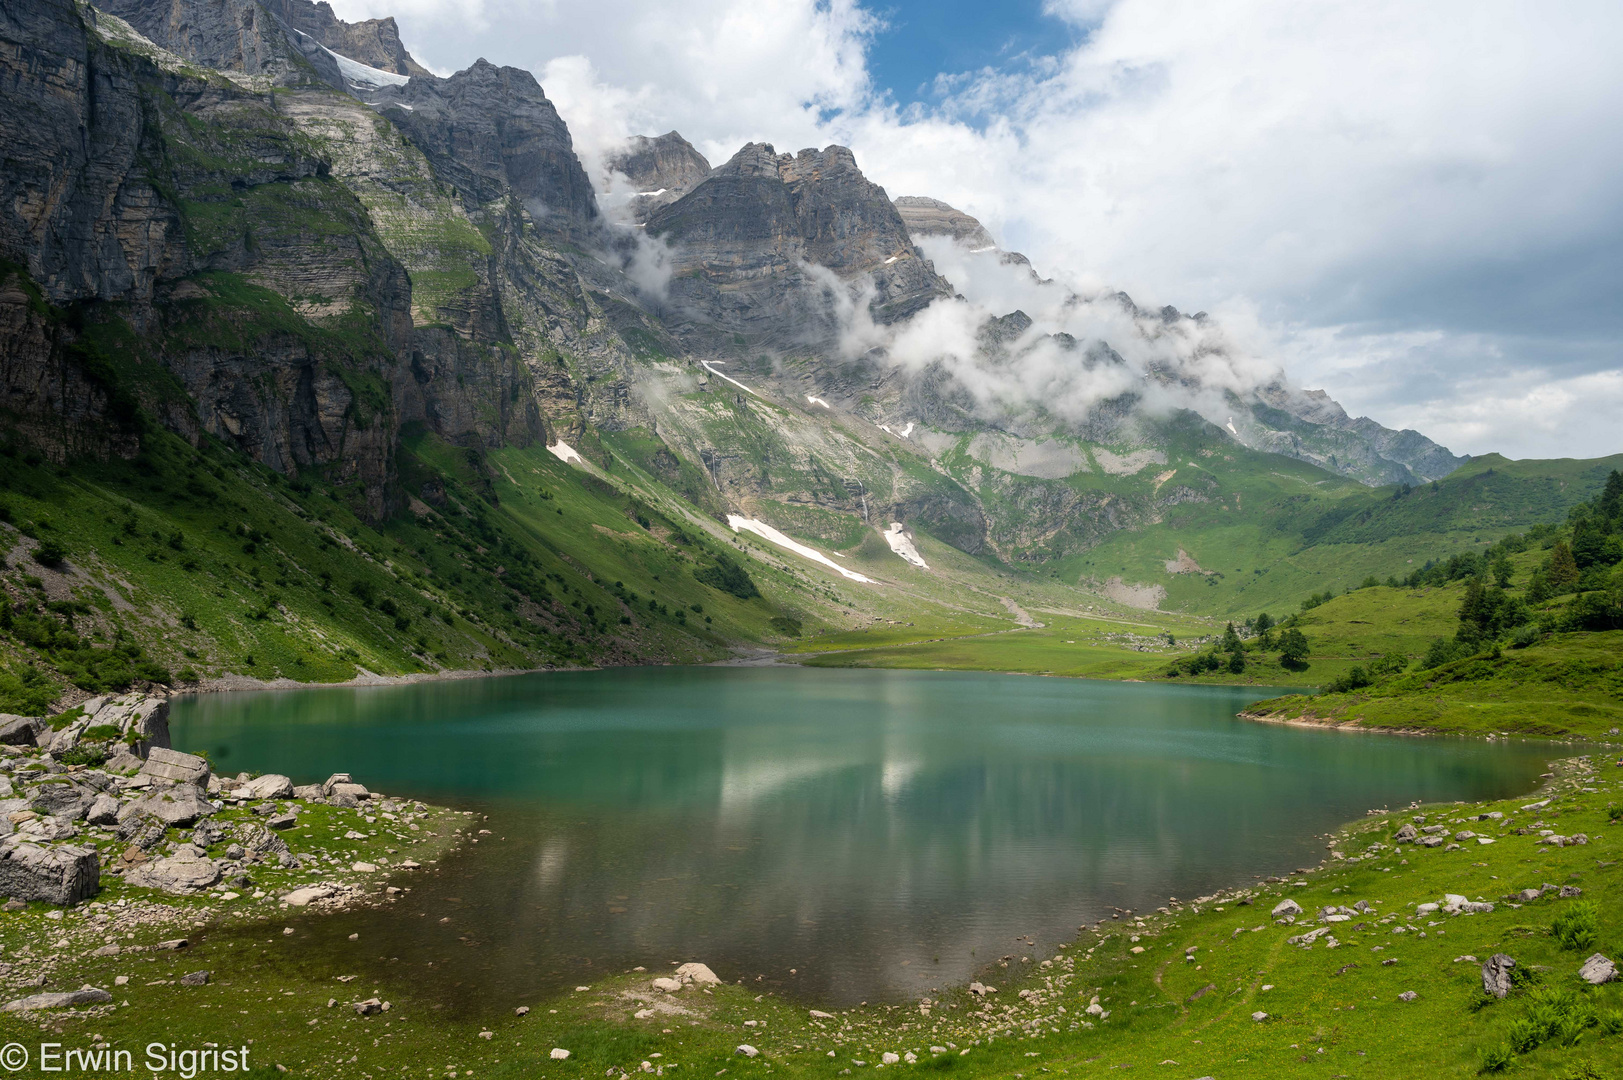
726,575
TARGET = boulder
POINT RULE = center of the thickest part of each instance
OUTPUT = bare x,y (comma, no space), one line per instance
85,995
307,792
181,805
103,810
1527,896
196,978
55,875
1571,890
61,798
1405,835
183,873
141,830
747,1050
20,730
698,974
257,839
1597,970
1286,907
1496,975
269,786
335,778
309,893
369,1007
172,765
669,986
123,762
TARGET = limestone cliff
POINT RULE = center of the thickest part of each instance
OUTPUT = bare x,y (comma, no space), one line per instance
762,242
658,171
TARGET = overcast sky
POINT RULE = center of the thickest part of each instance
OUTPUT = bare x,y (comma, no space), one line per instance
1420,205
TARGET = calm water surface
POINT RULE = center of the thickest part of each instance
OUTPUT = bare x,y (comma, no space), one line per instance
880,833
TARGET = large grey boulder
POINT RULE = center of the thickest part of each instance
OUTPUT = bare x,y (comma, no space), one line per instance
20,730
59,797
103,810
178,805
1286,907
257,839
269,786
172,765
85,995
1496,975
1405,835
184,872
1597,970
55,875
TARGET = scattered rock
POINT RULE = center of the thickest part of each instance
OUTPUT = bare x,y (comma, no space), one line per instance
698,974
559,1054
183,873
1405,835
522,1010
1286,907
301,897
180,805
1496,975
172,765
1597,970
669,986
56,875
172,945
85,995
1259,1017
369,1007
1571,890
747,1050
269,786
196,978
1408,995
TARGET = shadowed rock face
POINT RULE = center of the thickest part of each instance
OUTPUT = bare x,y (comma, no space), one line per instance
374,42
660,171
491,131
231,35
929,217
744,236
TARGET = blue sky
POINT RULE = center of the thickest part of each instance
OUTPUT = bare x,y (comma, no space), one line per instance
920,40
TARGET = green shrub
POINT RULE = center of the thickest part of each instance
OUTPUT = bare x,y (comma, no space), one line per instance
1497,1058
99,733
82,754
1578,927
50,553
724,574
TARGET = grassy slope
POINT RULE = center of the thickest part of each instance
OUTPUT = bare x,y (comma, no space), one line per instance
1332,1011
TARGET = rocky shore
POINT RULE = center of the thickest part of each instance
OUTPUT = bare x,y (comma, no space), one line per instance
110,834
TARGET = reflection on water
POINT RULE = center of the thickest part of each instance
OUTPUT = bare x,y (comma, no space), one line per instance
880,833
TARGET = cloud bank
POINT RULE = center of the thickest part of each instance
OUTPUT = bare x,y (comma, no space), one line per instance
1421,204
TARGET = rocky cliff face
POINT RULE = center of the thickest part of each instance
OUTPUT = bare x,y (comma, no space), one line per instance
762,243
932,217
491,132
657,171
373,42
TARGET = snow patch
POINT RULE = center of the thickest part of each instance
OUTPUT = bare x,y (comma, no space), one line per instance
908,430
565,453
1230,426
815,400
358,73
902,544
650,194
892,259
708,366
773,536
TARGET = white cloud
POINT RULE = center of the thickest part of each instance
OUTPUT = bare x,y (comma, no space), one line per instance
1435,188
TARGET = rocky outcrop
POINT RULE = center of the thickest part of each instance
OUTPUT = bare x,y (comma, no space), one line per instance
765,242
373,42
932,217
659,171
1310,426
491,133
228,35
54,875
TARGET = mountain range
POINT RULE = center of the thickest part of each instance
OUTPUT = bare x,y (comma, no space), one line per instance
251,226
